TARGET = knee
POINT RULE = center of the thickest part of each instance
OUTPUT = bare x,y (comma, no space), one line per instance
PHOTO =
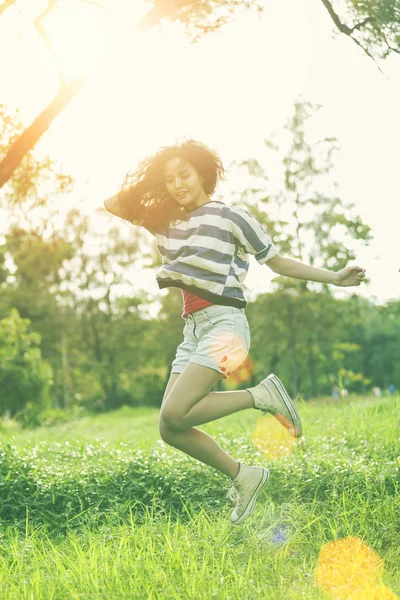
165,432
169,425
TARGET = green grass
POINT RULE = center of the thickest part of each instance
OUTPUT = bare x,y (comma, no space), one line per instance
102,508
138,425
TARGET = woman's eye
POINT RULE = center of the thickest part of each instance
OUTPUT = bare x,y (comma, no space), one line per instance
184,175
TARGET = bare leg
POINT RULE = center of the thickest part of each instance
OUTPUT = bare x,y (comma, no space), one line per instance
190,401
197,443
218,404
203,447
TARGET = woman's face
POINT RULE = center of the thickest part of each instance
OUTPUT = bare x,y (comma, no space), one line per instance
183,182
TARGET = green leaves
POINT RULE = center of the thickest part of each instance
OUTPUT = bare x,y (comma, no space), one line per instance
24,376
372,24
312,226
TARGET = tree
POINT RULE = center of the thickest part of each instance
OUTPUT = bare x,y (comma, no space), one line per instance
375,24
375,30
103,351
25,377
312,226
377,330
198,18
61,276
281,323
29,188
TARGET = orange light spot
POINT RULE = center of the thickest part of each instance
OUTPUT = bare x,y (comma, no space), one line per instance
224,359
349,569
244,372
223,369
271,439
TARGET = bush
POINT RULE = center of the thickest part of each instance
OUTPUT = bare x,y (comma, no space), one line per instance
25,377
74,484
33,416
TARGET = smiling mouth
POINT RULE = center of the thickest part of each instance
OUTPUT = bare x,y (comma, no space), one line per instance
181,195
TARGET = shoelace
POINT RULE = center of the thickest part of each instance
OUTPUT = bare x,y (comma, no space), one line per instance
232,494
270,409
235,492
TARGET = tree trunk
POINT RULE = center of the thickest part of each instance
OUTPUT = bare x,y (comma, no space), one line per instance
57,395
66,93
292,346
34,132
110,388
64,359
313,370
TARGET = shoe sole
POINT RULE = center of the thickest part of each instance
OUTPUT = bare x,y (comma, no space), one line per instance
253,499
294,415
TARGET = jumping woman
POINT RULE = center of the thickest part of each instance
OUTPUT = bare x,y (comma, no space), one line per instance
205,246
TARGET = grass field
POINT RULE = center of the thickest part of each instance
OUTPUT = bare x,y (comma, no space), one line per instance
102,508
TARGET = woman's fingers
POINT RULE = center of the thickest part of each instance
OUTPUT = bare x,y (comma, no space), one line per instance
360,275
360,272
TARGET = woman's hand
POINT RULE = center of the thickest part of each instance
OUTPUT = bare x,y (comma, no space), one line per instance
349,276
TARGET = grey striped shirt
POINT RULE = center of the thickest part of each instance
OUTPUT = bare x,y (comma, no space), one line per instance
208,255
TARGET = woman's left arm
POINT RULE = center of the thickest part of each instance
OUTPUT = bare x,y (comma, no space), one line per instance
293,268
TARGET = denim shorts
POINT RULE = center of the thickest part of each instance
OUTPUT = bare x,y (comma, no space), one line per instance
217,337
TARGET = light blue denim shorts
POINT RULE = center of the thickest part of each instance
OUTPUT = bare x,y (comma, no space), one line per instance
217,337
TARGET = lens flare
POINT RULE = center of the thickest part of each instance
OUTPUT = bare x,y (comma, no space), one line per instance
272,439
243,373
228,353
348,569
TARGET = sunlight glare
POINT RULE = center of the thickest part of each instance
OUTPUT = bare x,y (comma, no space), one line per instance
81,36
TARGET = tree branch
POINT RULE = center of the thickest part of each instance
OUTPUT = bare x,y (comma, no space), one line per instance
32,134
6,4
349,30
43,34
388,45
67,90
66,93
341,26
106,9
359,25
367,53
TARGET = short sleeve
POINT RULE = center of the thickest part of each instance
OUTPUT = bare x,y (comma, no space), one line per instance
251,235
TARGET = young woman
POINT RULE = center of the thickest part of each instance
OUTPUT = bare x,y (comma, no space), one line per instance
205,246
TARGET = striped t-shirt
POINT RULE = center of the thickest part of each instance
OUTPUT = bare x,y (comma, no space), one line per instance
208,255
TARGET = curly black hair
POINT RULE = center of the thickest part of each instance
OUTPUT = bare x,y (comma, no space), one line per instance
143,198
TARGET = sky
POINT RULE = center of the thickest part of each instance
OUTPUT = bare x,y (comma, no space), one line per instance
232,90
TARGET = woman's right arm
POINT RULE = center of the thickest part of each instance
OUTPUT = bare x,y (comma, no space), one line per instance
112,206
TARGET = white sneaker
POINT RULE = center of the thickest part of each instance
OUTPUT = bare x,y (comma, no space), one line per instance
270,396
247,484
